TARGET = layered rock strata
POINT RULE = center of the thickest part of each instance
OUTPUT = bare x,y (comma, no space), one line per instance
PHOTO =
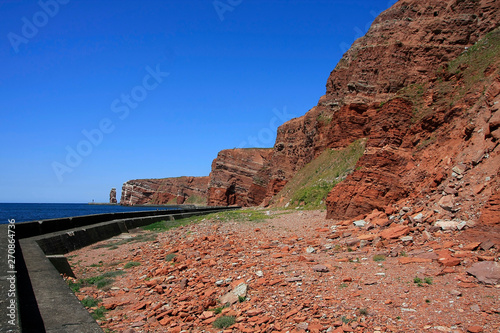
177,190
234,179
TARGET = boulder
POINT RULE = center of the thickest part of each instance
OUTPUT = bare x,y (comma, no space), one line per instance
396,231
447,202
359,223
447,225
320,268
487,272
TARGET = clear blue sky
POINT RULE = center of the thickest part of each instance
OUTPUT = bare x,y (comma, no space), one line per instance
95,93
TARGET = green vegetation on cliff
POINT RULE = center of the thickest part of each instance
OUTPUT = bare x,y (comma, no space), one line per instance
311,185
240,215
473,66
196,200
464,76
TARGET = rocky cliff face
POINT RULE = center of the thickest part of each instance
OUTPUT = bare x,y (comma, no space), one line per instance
387,88
233,179
439,148
180,190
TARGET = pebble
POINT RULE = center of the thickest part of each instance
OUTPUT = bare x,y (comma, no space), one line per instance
360,223
310,249
418,218
320,268
447,225
408,310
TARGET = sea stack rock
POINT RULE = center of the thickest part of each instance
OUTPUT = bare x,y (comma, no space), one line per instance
112,196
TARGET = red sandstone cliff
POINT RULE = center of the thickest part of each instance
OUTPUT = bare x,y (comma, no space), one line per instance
387,89
233,179
177,190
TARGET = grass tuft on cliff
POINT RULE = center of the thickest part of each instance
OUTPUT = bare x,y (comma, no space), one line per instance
102,281
240,215
311,185
196,200
463,76
472,65
162,226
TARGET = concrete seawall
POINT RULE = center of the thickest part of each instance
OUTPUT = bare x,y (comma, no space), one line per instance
42,301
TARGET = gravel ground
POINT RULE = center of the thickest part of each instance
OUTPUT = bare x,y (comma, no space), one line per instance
293,272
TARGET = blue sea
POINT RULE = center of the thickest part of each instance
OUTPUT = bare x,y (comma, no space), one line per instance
22,212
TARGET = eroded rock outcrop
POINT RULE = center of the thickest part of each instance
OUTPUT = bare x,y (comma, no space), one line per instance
179,190
112,196
234,179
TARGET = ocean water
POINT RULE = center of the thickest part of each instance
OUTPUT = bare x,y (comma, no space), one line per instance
22,212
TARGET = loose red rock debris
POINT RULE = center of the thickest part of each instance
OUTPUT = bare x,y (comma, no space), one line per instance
298,272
